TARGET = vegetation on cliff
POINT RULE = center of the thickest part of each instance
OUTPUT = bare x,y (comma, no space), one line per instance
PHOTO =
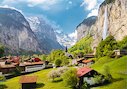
84,46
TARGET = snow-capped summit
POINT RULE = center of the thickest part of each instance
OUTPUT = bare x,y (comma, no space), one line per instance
66,39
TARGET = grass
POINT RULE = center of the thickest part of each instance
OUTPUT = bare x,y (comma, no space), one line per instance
42,83
117,67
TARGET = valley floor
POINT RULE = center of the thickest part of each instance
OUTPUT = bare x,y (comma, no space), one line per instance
42,83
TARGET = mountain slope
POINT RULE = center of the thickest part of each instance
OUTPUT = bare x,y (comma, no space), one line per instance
84,28
15,32
45,34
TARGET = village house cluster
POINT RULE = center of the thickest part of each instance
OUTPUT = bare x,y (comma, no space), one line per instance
9,65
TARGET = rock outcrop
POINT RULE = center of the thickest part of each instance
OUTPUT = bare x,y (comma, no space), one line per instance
84,28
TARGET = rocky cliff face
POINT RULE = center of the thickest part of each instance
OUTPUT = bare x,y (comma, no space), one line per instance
84,28
117,21
45,34
15,32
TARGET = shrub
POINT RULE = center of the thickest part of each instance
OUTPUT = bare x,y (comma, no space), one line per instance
84,86
106,47
70,78
62,70
57,73
53,74
123,44
2,78
58,62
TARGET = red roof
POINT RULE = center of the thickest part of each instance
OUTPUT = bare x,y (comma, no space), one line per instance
28,79
15,59
87,61
83,71
36,59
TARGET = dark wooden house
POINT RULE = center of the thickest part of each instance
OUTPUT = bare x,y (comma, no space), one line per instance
28,82
85,74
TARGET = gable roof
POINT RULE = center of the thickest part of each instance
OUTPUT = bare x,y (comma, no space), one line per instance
28,79
83,71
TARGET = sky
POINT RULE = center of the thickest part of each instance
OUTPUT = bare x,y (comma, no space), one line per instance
64,14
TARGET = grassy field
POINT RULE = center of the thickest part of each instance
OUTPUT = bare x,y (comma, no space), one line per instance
42,83
117,67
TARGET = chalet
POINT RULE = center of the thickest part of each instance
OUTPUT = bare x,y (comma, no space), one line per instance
7,69
8,66
86,74
33,66
119,53
87,56
88,62
28,82
85,62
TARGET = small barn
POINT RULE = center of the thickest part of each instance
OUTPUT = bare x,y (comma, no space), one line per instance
28,82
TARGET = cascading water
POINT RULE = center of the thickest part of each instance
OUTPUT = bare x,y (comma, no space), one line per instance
105,31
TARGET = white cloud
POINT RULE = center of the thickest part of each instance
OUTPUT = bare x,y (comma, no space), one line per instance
89,4
73,34
93,12
92,6
44,4
70,2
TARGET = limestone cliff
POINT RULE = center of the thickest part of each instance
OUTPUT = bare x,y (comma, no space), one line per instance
84,28
116,21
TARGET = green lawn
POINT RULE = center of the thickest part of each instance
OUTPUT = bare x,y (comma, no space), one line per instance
42,83
117,67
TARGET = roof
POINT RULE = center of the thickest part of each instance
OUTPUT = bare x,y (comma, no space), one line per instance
28,79
83,71
33,63
36,59
7,66
87,61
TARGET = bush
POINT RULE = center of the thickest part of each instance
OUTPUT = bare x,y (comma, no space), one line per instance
58,62
123,44
82,46
70,78
53,74
106,47
2,78
57,73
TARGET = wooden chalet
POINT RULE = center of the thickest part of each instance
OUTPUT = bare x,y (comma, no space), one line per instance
87,56
85,62
86,74
28,82
119,53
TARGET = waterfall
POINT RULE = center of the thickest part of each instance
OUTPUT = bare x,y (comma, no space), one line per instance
105,31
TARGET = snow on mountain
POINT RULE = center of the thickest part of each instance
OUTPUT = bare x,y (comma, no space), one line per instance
66,39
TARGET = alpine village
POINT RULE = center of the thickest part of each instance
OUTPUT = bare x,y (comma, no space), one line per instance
31,57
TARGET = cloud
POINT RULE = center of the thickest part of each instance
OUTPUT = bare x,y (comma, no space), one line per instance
89,4
44,4
93,12
92,6
73,34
